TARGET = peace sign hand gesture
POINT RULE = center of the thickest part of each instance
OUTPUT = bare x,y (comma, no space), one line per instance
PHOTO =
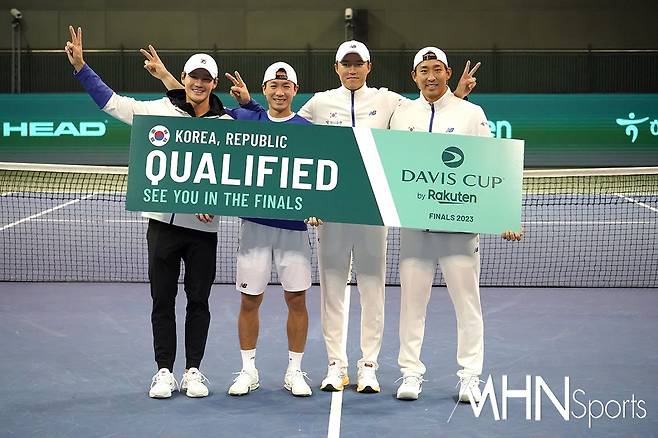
73,49
153,64
239,89
467,82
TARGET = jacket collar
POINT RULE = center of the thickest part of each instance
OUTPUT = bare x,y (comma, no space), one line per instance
177,98
438,104
357,93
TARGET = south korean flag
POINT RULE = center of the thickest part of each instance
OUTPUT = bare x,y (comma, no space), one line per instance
159,135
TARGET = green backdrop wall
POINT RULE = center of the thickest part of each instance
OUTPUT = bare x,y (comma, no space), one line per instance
573,130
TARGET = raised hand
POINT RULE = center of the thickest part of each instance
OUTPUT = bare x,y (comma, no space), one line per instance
153,64
73,49
239,89
467,81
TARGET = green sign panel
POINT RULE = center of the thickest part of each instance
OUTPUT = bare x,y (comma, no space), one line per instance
286,171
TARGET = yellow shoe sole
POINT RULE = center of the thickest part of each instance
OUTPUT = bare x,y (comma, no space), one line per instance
330,388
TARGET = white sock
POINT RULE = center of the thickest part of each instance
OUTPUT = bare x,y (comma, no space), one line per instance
295,360
248,359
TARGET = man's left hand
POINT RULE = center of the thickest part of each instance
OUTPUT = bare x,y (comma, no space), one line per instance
468,81
239,89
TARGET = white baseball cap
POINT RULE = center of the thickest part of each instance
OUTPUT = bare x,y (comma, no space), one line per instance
201,60
272,70
422,56
353,47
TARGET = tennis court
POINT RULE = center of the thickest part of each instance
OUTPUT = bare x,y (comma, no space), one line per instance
577,298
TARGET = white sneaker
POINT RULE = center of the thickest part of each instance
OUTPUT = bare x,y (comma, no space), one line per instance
192,383
295,383
367,379
411,387
336,379
246,381
469,387
162,384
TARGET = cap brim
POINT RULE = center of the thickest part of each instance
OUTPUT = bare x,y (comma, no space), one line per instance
204,69
356,53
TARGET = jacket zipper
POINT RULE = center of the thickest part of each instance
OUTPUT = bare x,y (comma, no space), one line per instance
353,116
431,117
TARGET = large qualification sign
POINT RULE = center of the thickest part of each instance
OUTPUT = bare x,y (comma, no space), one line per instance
418,180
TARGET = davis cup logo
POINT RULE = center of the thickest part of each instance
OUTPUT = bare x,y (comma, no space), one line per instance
452,156
159,135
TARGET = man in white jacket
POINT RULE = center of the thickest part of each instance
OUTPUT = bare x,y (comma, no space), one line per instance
354,104
438,110
171,237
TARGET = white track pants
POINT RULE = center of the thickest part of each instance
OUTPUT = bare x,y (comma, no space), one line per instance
459,257
337,244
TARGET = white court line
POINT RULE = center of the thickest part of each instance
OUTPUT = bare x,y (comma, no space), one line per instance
7,193
334,415
333,431
50,210
634,201
91,221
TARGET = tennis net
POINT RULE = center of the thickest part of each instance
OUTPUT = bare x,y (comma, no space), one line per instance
583,228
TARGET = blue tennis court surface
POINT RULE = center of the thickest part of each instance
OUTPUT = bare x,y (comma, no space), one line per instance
78,357
77,361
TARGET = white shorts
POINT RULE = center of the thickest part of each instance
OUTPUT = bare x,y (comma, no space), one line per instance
292,258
